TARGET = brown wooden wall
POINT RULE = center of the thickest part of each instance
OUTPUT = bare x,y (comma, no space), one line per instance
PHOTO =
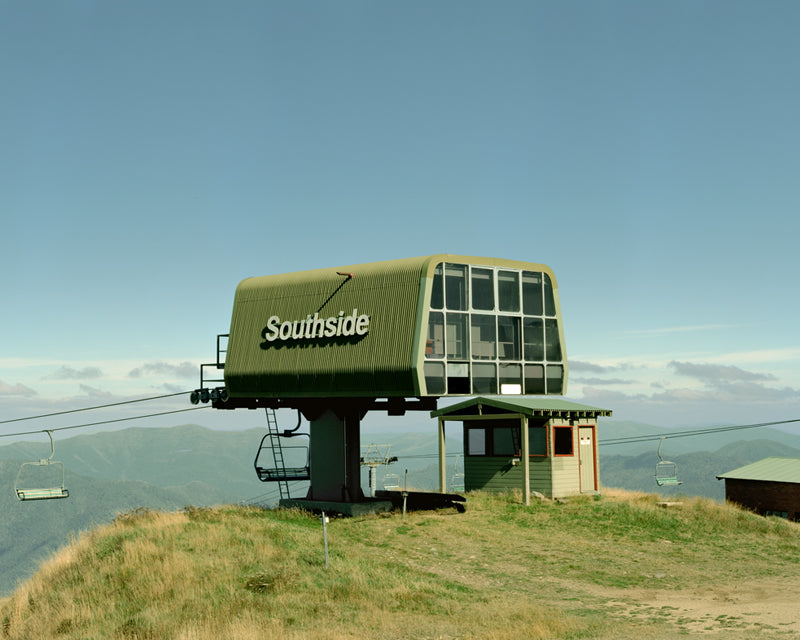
761,496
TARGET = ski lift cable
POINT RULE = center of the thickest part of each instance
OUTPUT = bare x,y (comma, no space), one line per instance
693,432
101,406
94,424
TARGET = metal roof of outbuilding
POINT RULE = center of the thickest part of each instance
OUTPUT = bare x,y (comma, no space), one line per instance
769,469
529,406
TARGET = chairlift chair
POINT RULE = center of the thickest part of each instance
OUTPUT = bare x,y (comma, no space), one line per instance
38,492
292,463
391,482
666,471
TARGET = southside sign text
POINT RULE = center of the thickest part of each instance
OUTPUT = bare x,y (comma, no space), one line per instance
314,328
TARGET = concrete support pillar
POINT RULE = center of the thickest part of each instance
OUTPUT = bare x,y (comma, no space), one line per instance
336,457
352,452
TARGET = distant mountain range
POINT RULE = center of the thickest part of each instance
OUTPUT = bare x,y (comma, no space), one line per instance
167,468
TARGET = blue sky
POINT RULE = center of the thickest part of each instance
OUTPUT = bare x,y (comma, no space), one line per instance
153,154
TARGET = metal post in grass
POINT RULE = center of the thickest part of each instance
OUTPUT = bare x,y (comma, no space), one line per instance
405,494
325,536
526,461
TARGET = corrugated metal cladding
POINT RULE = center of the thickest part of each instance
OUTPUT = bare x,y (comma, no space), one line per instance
378,363
769,470
385,360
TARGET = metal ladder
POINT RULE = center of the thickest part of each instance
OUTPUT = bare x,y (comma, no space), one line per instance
277,451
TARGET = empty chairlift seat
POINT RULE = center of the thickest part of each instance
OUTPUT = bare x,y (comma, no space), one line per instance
42,480
280,458
666,471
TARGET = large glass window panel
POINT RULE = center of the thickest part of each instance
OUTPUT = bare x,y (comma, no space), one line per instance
458,378
533,338
508,290
484,377
434,378
551,340
511,378
508,338
534,379
434,345
456,343
483,289
549,299
555,378
437,292
484,337
532,301
455,286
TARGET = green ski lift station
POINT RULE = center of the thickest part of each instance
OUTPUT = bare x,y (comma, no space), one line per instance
391,336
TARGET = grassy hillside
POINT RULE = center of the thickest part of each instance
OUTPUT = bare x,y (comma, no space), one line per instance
30,531
613,567
112,472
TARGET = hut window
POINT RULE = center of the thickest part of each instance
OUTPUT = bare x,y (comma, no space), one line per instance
537,440
562,441
476,442
503,441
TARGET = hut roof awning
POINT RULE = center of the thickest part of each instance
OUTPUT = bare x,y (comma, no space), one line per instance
529,406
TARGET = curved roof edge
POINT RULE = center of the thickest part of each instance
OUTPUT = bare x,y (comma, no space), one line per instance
529,406
425,263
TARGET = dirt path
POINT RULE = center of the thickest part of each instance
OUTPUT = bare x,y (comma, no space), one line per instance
760,606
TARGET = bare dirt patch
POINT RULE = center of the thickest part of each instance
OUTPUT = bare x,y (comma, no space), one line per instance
767,607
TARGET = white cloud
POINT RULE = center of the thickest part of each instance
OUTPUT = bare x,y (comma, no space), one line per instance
184,369
70,373
93,392
15,390
714,374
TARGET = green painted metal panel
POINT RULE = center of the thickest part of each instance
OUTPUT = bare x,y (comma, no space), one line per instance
377,361
324,333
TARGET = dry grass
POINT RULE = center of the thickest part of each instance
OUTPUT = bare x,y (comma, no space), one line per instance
499,571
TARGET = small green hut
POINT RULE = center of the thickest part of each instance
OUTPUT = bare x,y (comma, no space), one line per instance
548,445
